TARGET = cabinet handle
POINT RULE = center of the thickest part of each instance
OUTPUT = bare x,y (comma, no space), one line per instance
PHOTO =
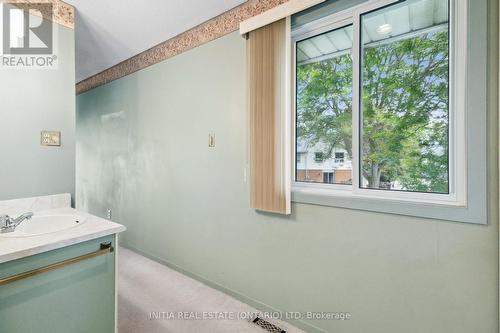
104,249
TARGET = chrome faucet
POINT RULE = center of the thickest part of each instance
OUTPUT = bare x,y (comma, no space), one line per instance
8,224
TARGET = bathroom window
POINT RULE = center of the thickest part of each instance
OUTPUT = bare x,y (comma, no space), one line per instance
379,103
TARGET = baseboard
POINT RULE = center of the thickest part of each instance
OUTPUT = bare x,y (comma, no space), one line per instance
239,296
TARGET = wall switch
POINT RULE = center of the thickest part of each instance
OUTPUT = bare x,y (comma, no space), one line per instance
50,138
211,140
109,214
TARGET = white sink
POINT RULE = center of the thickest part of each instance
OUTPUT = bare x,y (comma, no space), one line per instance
41,224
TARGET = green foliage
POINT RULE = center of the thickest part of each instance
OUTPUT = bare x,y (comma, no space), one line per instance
325,103
405,111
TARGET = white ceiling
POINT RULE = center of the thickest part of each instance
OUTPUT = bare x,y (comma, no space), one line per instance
110,31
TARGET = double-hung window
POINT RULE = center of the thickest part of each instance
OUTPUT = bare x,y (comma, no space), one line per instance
379,103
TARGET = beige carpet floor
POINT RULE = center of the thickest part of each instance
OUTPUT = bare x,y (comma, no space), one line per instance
151,297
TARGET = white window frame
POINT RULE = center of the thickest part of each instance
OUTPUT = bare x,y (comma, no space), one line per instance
457,117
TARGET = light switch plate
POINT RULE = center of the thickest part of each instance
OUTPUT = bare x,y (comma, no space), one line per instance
51,138
211,140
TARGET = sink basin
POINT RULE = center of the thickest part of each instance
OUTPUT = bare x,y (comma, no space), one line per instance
41,224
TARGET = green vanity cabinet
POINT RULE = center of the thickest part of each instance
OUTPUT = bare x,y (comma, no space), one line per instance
76,298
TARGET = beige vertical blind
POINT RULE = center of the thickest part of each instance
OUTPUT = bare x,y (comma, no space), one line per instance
268,77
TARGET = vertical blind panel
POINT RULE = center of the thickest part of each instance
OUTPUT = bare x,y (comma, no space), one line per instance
267,78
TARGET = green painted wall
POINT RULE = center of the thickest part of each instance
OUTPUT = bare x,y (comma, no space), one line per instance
142,152
79,298
33,100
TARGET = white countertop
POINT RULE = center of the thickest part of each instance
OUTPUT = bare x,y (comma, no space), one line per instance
94,227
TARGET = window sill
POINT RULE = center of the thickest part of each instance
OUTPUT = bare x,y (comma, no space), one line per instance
345,198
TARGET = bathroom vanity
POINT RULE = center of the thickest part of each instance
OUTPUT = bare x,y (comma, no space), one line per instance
57,269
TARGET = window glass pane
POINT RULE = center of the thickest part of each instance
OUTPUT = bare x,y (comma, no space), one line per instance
324,107
404,97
